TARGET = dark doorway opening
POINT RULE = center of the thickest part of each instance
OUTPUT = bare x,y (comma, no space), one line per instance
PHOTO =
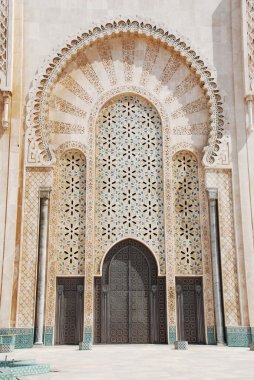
69,310
130,304
190,309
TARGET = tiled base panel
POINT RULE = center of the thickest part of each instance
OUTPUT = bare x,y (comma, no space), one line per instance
239,336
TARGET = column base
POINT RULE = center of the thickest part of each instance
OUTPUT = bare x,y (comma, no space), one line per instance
85,346
221,344
38,344
181,345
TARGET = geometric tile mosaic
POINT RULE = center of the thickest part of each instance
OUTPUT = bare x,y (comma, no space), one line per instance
238,336
223,181
129,192
35,179
188,249
71,213
24,337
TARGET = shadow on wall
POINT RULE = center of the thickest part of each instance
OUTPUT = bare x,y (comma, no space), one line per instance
227,60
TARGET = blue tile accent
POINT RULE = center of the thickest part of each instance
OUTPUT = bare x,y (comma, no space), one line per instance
239,336
22,368
7,343
211,335
48,336
252,334
87,339
6,376
171,334
24,337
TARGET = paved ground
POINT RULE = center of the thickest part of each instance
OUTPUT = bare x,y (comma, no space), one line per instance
146,362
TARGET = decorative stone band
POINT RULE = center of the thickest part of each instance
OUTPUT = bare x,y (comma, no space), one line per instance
48,75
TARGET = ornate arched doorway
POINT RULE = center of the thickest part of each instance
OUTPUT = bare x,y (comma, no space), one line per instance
130,297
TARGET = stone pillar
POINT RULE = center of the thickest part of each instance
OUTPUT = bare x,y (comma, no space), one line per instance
215,249
41,271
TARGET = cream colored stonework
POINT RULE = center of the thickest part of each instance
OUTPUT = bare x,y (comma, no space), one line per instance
188,66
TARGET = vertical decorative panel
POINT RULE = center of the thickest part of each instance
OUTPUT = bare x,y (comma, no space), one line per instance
4,9
187,231
71,213
129,193
35,179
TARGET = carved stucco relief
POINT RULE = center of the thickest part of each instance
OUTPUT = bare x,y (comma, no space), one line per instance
102,40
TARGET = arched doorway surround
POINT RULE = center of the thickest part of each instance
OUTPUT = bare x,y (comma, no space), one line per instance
130,297
59,86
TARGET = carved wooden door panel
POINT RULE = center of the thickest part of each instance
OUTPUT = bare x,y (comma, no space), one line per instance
119,298
128,298
70,309
130,303
139,290
190,310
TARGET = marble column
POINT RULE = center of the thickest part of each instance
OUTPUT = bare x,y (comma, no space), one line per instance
215,249
42,259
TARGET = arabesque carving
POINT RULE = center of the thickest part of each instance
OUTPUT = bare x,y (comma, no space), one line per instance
38,145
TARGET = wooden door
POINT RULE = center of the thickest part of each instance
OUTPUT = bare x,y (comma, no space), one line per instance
118,298
190,310
128,295
70,310
130,298
139,302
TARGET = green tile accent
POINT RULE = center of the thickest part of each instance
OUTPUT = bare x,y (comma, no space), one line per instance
252,334
7,343
171,334
48,336
211,335
24,337
87,339
23,368
239,336
6,376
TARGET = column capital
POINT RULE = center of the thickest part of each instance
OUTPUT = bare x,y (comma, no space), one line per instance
212,193
6,96
249,97
44,192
